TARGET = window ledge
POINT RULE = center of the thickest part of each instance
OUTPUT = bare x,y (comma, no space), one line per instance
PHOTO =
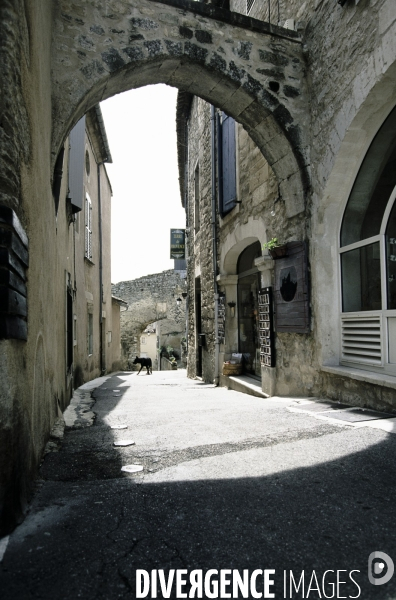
362,375
89,260
230,215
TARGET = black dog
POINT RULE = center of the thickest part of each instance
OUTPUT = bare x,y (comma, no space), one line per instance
144,362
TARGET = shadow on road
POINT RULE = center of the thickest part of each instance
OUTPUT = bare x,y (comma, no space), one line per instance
92,528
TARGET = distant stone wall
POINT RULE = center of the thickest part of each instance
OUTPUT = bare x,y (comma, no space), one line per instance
151,298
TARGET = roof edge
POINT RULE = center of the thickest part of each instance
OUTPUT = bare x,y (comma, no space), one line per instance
183,107
96,115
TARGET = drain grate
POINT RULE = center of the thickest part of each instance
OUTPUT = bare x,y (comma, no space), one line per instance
359,414
323,406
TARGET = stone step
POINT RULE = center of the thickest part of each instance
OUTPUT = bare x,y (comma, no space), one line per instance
244,384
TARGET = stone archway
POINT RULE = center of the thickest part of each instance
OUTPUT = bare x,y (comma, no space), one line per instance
252,70
150,299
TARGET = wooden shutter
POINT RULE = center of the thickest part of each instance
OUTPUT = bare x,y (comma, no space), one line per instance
90,231
76,165
69,323
227,164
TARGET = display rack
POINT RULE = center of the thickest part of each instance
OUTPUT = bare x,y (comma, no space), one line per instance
221,319
266,328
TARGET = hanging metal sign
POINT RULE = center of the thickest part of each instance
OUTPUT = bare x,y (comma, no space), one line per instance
177,243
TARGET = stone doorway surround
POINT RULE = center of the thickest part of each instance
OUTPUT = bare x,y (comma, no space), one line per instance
236,241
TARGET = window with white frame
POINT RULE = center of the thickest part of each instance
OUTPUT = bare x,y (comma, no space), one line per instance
88,227
368,259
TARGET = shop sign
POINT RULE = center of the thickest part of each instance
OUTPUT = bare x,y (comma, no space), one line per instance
177,243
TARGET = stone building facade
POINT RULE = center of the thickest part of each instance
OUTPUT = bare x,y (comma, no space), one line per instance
86,323
341,343
256,216
312,100
152,300
96,313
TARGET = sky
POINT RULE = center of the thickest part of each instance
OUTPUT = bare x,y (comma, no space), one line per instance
146,204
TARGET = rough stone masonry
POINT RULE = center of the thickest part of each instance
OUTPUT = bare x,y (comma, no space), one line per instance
102,50
150,299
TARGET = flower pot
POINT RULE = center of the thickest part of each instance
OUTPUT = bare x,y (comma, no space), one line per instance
278,251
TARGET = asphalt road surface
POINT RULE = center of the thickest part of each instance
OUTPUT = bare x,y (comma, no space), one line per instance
257,490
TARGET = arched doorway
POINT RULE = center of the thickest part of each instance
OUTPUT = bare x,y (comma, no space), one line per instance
248,288
368,259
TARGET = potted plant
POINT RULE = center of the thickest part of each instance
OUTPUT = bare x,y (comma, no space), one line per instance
275,249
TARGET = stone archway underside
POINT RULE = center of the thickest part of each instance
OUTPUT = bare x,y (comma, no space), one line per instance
252,70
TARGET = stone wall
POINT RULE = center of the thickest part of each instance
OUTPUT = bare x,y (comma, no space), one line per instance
35,384
200,250
259,216
350,56
150,299
30,386
262,215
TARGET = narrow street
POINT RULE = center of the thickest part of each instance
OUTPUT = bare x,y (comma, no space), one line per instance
229,481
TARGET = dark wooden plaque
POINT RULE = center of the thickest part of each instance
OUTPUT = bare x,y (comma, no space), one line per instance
292,290
14,261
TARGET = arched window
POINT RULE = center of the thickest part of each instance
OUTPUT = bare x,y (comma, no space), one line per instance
368,258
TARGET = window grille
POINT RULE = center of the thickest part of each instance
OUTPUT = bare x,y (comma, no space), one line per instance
249,5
